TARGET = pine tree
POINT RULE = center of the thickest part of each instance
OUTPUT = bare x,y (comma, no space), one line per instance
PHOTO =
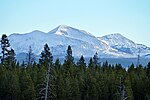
26,86
46,56
4,45
70,75
91,68
92,88
33,71
69,57
128,89
57,64
69,62
81,64
11,58
3,83
91,63
131,68
60,87
30,57
95,60
148,69
40,86
13,85
75,94
47,60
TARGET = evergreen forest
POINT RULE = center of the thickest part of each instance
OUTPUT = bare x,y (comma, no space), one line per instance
70,80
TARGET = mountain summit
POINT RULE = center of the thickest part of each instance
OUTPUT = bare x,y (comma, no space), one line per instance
82,43
123,44
60,30
69,32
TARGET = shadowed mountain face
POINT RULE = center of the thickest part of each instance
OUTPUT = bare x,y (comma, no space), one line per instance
82,43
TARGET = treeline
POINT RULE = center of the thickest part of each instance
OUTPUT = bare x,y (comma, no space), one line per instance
71,81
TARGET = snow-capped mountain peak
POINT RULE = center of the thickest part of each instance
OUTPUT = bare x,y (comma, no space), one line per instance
118,40
82,43
69,31
60,30
123,44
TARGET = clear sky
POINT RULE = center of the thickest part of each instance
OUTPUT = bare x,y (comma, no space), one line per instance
131,18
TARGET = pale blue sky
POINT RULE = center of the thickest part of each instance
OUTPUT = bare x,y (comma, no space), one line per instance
131,18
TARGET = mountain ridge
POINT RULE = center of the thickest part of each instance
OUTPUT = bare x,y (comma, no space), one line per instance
82,42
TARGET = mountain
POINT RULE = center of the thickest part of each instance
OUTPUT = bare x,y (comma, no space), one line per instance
122,44
82,43
58,39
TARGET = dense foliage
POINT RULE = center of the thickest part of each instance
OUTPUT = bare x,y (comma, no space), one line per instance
73,81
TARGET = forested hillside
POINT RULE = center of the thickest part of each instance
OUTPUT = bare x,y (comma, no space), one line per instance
51,80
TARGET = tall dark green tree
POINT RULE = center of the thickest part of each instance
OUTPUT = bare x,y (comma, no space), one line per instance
11,58
131,68
69,57
81,64
148,69
95,59
13,87
26,86
69,61
46,56
4,45
47,60
57,64
3,83
91,68
91,64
